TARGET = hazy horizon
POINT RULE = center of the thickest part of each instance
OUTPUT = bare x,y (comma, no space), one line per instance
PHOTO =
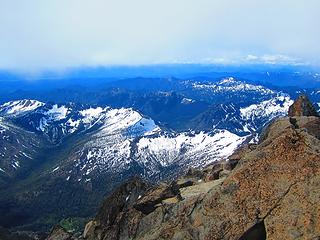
53,35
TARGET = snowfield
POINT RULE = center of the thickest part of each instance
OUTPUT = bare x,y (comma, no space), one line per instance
273,107
154,152
211,147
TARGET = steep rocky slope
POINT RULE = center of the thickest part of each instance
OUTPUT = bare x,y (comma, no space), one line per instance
267,191
302,107
19,149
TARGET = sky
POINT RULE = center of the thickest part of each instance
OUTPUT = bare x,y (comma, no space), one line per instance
55,34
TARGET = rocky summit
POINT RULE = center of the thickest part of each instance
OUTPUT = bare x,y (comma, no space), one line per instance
302,107
268,191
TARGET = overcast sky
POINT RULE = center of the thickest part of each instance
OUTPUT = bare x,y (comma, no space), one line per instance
50,34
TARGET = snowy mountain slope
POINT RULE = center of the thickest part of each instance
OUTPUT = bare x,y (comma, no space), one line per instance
315,96
269,108
21,133
227,90
257,116
71,118
234,105
186,150
121,138
115,139
154,153
242,119
18,148
232,85
58,121
19,107
109,148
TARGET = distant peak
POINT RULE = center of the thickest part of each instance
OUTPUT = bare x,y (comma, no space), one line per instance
19,106
302,106
228,80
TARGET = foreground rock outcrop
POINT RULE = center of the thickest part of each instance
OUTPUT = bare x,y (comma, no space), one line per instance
302,107
268,191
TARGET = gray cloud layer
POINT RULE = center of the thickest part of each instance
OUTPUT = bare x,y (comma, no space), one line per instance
39,34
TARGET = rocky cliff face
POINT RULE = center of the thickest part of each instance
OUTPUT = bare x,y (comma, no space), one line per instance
302,107
265,191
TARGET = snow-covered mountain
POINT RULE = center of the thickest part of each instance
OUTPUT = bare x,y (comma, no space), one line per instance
272,108
242,119
231,84
18,147
154,153
227,90
186,150
109,139
69,155
113,140
57,121
123,138
19,107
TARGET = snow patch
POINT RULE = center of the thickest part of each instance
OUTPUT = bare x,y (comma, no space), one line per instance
91,114
26,155
57,113
187,101
57,168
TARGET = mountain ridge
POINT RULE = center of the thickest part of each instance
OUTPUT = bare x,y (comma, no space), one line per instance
89,145
271,193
